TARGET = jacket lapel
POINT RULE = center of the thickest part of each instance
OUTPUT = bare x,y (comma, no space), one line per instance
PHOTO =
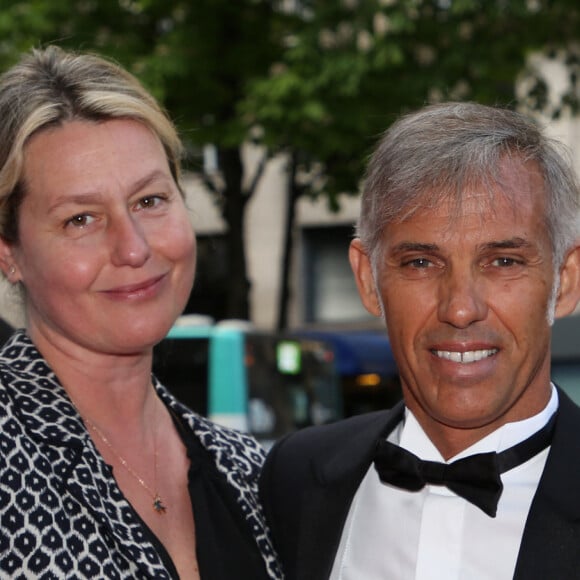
327,503
551,542
74,466
90,482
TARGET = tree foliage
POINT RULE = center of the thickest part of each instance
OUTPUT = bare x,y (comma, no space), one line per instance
357,64
196,57
317,80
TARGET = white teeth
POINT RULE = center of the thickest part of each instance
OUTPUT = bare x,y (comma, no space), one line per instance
465,357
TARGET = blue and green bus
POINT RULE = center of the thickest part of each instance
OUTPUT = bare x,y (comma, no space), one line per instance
269,384
263,383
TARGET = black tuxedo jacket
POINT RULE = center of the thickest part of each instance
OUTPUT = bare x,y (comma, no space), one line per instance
311,476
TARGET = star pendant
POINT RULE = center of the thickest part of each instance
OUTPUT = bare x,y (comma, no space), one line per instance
158,505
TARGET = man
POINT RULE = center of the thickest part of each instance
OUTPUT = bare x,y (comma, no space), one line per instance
468,248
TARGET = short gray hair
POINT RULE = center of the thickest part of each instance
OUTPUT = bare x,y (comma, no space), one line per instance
434,153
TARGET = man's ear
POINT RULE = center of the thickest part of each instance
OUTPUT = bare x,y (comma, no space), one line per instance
8,263
363,275
569,290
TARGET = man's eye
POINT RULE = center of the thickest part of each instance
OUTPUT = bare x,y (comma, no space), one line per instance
419,263
505,262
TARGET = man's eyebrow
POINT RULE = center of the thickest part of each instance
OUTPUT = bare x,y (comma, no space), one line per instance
508,244
414,247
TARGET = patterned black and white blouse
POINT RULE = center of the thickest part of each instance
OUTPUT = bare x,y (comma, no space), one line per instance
62,514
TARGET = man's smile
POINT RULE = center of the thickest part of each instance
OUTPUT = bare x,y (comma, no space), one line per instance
469,356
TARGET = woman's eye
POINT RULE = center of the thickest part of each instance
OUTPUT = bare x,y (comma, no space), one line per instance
150,201
79,221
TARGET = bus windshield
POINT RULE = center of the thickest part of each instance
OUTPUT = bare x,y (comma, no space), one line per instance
263,383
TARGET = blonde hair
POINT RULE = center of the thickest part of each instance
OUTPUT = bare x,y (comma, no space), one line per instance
50,86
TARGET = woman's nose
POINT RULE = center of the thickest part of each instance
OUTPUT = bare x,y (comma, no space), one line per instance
130,246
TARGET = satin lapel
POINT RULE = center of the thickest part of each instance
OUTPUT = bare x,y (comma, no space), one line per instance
326,505
551,542
327,508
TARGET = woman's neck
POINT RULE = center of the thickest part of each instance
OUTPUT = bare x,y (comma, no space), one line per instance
107,388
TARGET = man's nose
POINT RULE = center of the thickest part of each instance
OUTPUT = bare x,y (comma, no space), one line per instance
461,298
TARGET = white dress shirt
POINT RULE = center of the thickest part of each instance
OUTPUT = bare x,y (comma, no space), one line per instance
433,534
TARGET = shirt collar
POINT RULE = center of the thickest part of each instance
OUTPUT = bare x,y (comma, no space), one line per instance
410,435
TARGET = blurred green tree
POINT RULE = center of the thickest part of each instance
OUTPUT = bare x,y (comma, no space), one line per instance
356,65
197,58
315,80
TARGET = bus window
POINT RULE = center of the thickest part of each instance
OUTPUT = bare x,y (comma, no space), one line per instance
292,384
368,392
203,366
321,375
565,371
368,375
567,376
263,383
182,366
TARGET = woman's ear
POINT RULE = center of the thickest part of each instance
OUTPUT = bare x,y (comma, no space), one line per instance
8,263
569,289
363,275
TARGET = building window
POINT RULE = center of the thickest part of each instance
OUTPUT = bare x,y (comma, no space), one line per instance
330,293
211,278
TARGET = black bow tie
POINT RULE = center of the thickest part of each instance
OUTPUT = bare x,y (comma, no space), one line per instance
475,478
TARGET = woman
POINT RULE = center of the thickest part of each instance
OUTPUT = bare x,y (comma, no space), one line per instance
103,474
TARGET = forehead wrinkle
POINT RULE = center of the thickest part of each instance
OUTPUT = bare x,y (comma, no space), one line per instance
95,197
76,199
